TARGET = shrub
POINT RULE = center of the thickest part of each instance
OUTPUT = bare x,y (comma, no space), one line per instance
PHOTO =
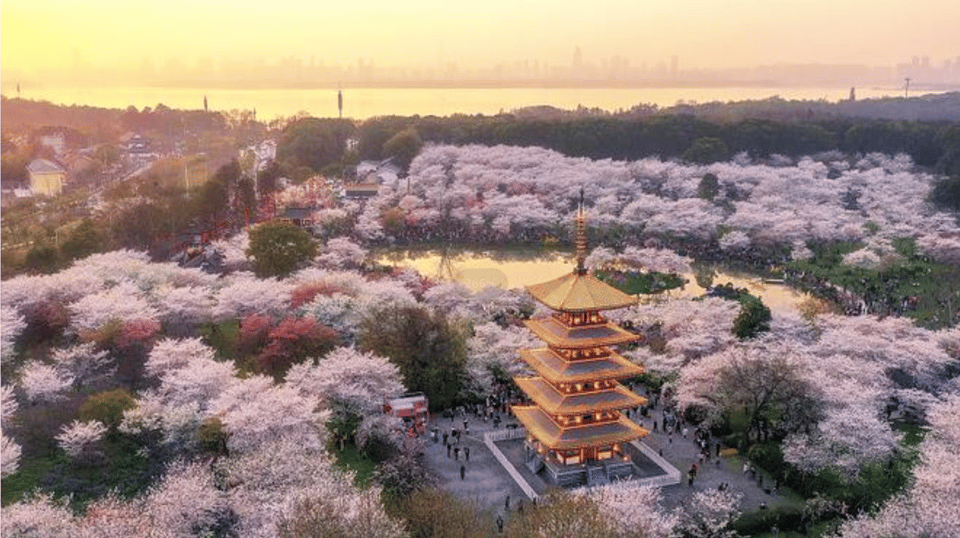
107,407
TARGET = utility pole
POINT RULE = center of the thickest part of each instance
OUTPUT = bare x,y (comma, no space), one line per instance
906,88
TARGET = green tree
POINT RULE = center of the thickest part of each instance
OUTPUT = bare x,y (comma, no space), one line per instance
437,513
314,142
706,150
754,317
561,513
41,258
709,187
403,147
946,193
83,241
212,437
140,226
429,350
107,407
267,179
107,154
278,248
770,389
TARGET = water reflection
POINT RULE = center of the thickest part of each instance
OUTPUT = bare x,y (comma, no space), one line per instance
515,268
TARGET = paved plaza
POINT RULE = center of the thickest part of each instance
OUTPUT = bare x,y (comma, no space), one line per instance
487,483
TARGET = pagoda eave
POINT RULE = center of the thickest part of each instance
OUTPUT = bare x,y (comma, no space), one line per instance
555,369
577,403
557,335
553,437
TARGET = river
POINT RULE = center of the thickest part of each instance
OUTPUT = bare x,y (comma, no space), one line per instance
513,268
363,103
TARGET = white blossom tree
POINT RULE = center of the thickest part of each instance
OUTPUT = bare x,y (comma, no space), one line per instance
79,438
347,378
341,252
11,325
9,456
82,363
39,515
43,383
8,404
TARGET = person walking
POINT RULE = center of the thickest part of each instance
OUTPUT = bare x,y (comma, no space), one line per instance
463,472
466,452
456,453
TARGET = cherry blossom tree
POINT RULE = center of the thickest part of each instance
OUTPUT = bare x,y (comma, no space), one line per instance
83,363
43,383
233,252
244,294
930,505
8,404
11,325
492,353
633,510
9,457
711,514
253,410
39,515
346,378
183,308
125,301
78,439
341,252
276,484
766,381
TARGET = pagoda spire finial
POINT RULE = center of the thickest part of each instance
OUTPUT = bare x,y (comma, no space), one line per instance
581,238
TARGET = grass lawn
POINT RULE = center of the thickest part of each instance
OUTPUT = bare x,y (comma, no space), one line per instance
351,459
16,486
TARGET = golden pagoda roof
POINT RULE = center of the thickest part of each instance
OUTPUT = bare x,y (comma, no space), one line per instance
555,369
555,402
557,334
580,291
555,437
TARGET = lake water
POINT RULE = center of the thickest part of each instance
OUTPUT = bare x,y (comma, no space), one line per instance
364,103
519,268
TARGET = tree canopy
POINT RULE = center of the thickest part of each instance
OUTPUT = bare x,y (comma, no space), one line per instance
278,248
429,350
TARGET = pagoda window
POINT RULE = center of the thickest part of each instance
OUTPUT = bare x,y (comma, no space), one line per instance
604,453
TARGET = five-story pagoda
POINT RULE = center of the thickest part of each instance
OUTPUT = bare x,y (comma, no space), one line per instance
575,427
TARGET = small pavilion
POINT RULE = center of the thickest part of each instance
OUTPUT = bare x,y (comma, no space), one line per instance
575,426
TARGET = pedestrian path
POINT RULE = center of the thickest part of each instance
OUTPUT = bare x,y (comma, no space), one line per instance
485,480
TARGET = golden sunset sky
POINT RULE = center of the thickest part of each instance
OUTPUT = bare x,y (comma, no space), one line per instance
68,35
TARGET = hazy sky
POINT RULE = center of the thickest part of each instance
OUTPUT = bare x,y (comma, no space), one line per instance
60,34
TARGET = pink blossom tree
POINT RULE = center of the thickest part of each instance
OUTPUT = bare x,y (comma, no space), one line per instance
80,439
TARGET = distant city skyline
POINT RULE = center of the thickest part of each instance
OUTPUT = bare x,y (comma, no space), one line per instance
366,41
